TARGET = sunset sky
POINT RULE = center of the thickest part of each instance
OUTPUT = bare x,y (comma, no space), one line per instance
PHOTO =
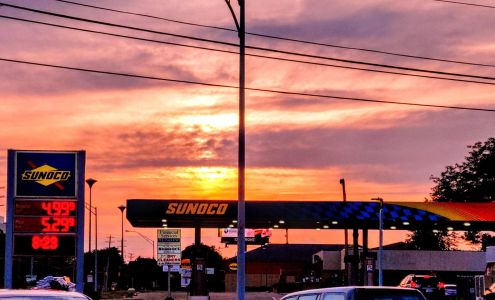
158,139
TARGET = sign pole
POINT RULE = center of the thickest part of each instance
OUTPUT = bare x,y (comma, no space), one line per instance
168,284
10,213
81,162
169,255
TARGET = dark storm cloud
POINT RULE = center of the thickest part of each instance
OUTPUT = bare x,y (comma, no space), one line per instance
380,154
27,79
411,27
396,150
271,102
153,147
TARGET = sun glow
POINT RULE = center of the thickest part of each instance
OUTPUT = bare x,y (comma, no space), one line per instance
214,182
210,123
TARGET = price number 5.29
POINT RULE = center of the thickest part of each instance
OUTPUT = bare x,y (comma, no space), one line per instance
57,224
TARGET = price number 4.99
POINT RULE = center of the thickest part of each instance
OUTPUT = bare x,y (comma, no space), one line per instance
58,208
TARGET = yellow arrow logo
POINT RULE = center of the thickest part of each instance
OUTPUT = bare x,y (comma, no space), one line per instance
45,175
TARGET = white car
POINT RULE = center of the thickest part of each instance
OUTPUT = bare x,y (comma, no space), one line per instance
41,295
357,293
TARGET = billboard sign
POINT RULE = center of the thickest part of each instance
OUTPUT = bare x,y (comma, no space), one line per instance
169,249
252,236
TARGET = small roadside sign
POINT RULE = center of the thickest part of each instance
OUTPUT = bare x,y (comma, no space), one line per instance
173,268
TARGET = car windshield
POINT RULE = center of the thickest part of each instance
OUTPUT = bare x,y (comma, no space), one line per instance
375,294
426,281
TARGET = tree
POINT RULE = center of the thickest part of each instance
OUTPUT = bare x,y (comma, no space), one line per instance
213,259
145,274
427,239
109,265
470,181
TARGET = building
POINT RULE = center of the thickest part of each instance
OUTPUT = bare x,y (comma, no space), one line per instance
269,266
300,266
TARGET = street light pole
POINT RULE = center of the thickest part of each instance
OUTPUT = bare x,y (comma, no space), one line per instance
380,248
346,236
122,208
241,242
152,242
96,250
90,182
241,222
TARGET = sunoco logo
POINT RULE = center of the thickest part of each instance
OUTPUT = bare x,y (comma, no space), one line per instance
197,208
45,175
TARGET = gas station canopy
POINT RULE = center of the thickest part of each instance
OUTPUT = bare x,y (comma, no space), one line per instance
311,214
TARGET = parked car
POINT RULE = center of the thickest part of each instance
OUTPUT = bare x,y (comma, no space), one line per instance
41,295
450,290
356,293
429,285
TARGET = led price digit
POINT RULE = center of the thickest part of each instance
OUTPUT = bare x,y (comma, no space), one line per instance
58,208
44,242
57,224
66,223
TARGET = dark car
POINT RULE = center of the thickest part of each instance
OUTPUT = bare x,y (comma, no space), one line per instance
356,293
429,285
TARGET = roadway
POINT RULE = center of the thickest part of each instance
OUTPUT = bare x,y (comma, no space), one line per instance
213,296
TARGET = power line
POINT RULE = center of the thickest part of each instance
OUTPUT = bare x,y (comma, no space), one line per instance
117,25
252,47
247,54
146,15
285,38
250,89
464,3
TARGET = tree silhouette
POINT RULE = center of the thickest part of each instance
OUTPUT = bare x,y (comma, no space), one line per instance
213,259
470,181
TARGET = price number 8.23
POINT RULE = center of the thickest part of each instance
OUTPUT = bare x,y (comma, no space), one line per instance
44,242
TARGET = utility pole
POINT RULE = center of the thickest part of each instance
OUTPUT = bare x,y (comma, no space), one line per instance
107,267
241,226
109,241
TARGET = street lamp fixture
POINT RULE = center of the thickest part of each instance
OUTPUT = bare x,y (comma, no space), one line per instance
152,242
122,208
380,248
